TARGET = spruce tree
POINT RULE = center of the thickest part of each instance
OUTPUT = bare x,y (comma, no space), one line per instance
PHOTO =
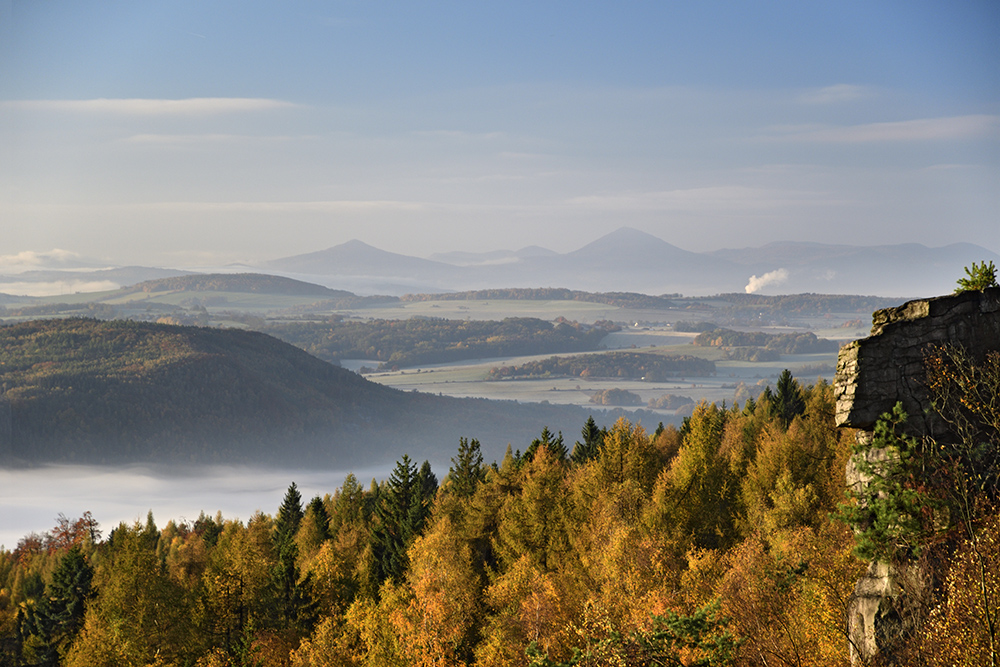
401,513
289,515
53,622
286,571
320,516
788,401
467,470
555,445
420,507
588,449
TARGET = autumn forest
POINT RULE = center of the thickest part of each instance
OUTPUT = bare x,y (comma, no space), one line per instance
723,542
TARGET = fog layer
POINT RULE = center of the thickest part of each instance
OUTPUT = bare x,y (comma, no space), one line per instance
32,499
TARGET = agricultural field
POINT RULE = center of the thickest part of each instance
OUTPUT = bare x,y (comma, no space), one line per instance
471,378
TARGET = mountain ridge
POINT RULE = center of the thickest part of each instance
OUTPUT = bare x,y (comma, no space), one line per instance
626,260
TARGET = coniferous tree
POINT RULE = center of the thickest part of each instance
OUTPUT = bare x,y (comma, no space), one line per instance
321,519
400,515
420,507
51,625
593,437
787,401
286,572
289,515
467,470
350,505
555,445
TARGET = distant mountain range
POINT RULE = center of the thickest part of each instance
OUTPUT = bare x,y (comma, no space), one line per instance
631,260
624,260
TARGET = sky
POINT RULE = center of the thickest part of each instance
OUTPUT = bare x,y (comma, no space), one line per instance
193,133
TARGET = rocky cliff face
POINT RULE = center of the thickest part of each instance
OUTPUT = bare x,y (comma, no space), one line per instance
888,366
873,374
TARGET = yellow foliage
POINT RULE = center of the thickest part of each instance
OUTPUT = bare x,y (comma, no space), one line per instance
324,648
444,606
962,631
531,606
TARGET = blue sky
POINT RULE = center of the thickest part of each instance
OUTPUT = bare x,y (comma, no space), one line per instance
199,133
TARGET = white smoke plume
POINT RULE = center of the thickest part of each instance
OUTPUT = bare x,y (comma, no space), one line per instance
770,278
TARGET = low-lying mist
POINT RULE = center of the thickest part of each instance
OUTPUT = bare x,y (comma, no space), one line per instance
31,499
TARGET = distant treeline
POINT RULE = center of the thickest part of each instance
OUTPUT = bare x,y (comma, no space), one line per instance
619,299
686,326
805,304
649,367
791,343
429,340
91,309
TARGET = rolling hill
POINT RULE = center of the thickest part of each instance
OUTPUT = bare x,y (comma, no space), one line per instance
115,392
250,283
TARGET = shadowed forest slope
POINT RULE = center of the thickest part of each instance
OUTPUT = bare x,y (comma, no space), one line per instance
86,391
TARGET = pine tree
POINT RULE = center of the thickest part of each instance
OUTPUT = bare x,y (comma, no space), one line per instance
891,518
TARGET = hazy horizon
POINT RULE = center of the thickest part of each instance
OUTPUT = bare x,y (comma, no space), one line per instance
187,134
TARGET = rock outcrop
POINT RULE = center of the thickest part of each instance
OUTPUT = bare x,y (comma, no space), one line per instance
873,374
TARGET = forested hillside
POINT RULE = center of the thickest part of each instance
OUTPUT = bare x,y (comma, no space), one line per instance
429,340
714,544
237,282
80,390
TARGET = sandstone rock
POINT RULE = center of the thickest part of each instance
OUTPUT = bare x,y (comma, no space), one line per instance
873,374
888,603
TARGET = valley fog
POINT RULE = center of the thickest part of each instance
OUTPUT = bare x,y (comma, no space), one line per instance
31,499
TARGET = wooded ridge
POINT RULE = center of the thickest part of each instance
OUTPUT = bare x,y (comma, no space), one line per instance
83,390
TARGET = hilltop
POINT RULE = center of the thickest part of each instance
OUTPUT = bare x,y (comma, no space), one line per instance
253,283
89,391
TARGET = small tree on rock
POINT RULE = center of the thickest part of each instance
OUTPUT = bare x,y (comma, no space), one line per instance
979,277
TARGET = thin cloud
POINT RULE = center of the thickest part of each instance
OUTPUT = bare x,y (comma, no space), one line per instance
460,135
838,94
924,129
56,287
715,198
195,106
30,259
282,206
195,139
